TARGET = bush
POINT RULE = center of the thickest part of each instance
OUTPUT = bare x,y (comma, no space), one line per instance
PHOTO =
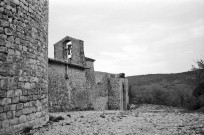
193,103
159,96
199,90
178,96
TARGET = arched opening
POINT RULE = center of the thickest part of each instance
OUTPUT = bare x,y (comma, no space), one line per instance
68,50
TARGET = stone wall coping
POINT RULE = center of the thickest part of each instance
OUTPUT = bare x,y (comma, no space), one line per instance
89,59
68,38
51,60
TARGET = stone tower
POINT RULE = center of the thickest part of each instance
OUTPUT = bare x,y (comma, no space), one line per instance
62,50
23,64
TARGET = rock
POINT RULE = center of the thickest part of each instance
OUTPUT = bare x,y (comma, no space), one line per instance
102,116
22,118
6,101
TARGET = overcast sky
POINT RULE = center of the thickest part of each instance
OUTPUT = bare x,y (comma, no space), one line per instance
132,36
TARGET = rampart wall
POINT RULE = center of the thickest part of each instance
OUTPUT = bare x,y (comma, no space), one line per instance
23,64
67,93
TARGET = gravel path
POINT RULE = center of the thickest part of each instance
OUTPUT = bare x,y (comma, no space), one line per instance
144,120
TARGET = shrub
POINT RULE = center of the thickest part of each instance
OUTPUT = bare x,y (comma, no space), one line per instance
157,94
199,90
193,103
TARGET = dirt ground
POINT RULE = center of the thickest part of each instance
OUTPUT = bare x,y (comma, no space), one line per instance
143,120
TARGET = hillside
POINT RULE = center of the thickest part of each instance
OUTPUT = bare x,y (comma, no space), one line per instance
184,77
169,89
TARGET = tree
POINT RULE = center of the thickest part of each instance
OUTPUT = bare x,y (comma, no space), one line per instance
199,71
199,75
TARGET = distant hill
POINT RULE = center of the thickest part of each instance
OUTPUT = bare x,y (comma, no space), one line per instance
157,88
184,77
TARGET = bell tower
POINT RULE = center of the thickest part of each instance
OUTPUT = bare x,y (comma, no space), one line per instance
70,50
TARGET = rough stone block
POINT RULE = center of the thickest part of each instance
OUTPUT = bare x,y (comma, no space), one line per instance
38,114
3,50
23,99
26,85
32,116
1,109
11,39
8,31
2,42
26,110
15,99
30,92
4,23
6,101
13,107
17,53
2,94
25,48
13,121
16,2
22,118
25,92
2,116
27,104
1,30
3,57
18,92
19,106
30,98
28,117
11,52
18,113
10,93
3,37
10,45
37,103
6,108
17,41
39,108
34,79
35,97
33,109
5,81
9,114
5,124
1,10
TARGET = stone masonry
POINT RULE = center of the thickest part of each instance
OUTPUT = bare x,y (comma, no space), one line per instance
68,78
74,85
26,73
23,64
110,92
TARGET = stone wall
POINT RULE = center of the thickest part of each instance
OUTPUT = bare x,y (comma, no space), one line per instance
67,93
73,83
79,94
23,64
110,92
58,91
77,51
118,94
90,73
101,90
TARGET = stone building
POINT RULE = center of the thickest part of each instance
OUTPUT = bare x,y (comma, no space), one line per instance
73,83
26,72
23,64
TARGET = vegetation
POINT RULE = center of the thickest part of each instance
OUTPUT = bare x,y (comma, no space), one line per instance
198,93
181,90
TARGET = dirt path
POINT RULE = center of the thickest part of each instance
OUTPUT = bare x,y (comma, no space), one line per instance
144,120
